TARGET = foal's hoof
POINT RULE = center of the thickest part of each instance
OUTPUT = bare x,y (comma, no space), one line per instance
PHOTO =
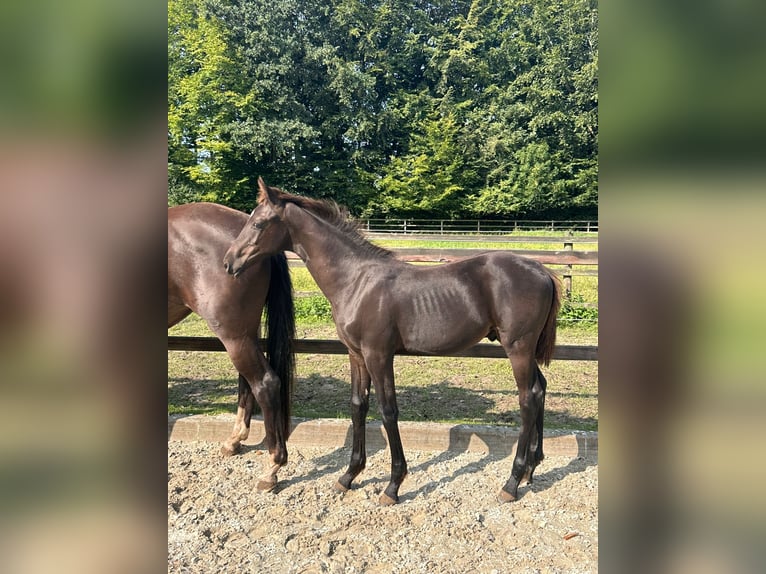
503,496
386,500
229,450
266,485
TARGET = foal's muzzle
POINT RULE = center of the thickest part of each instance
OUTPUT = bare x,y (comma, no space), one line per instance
230,265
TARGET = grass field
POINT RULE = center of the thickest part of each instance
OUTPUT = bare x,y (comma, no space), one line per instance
443,389
500,242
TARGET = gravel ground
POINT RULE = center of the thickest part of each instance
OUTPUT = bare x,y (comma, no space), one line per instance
447,520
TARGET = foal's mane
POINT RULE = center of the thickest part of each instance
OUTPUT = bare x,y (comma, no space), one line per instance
335,215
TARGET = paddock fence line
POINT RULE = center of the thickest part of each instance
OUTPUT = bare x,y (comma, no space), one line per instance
449,226
334,347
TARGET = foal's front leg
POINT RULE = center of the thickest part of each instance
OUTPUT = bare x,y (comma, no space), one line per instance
360,405
381,367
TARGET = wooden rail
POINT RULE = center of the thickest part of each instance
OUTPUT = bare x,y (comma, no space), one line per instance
334,347
435,255
447,226
561,239
573,260
381,236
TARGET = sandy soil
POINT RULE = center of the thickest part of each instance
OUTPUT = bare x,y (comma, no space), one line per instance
448,519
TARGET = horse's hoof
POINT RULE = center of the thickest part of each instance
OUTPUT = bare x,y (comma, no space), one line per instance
386,500
228,450
266,485
503,496
339,487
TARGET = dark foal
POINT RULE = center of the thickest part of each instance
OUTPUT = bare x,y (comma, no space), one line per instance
382,306
198,236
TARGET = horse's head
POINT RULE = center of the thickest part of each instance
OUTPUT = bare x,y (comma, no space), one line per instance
263,234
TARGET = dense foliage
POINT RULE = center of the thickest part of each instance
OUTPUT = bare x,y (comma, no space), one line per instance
445,108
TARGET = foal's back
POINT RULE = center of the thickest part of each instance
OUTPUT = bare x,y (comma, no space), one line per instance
447,308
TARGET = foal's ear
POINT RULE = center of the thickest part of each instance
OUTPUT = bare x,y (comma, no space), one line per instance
269,194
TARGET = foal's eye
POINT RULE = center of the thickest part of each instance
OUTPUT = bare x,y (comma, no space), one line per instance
258,225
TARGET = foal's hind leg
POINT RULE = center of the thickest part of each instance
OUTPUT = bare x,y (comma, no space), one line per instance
536,455
360,405
521,354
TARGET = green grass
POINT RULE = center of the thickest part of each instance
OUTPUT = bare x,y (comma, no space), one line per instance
509,241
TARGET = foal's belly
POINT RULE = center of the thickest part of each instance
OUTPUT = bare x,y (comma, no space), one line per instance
436,337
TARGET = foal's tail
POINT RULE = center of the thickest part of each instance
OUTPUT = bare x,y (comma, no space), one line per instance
546,344
280,325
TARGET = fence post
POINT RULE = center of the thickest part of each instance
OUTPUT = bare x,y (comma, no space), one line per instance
567,276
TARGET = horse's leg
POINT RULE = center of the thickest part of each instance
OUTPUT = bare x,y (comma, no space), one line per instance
536,455
265,387
381,367
521,354
360,404
241,430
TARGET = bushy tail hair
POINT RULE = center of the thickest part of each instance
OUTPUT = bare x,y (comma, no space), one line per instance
546,344
280,325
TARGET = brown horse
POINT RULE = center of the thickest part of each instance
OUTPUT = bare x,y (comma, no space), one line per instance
382,305
198,236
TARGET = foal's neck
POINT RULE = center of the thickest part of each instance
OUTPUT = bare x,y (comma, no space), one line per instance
333,259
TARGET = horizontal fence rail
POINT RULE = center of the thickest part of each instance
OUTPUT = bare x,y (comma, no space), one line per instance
575,263
447,226
334,347
417,255
561,239
446,255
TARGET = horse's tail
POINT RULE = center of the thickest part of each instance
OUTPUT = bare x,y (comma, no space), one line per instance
546,343
280,325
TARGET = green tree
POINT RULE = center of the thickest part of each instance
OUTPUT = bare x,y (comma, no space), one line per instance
432,178
439,108
541,147
205,93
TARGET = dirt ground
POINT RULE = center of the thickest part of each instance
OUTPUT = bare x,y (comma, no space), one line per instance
448,519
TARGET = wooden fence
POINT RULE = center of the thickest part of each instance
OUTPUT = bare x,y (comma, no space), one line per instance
567,257
332,347
448,226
